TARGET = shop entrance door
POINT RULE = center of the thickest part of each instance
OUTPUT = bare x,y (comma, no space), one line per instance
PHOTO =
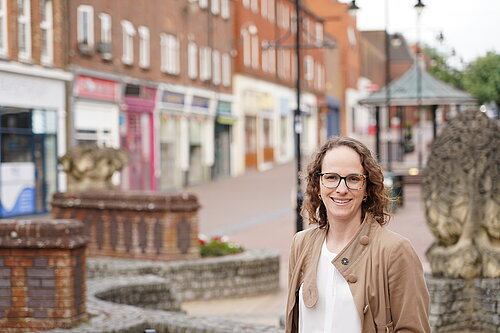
222,150
40,183
138,146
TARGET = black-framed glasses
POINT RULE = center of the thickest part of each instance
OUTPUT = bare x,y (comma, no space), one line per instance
353,181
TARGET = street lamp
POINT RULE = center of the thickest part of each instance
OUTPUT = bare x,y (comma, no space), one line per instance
419,7
297,122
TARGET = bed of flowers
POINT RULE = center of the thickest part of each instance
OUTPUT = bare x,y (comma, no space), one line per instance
217,246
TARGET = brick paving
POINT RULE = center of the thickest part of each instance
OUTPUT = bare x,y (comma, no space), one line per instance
256,211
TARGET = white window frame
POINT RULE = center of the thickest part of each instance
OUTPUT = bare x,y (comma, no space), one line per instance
105,27
272,61
192,60
89,29
215,7
286,17
308,68
4,42
203,3
128,42
247,47
47,27
225,11
216,65
205,63
170,56
255,6
226,70
319,33
255,51
264,55
25,20
270,10
144,47
246,3
263,8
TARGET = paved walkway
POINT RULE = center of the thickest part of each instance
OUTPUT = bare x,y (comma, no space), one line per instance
256,211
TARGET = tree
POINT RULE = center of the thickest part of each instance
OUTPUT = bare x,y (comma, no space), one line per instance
482,78
440,69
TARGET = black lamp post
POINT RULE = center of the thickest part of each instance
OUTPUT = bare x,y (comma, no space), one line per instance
297,122
419,7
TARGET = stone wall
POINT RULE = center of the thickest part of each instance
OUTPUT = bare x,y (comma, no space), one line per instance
122,281
42,275
249,273
459,305
140,225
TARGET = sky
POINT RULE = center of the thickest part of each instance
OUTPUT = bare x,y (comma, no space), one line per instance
470,27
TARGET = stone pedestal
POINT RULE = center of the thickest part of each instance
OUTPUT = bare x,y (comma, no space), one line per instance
465,306
42,274
140,225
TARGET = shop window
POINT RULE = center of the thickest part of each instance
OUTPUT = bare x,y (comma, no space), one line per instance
215,7
192,60
24,29
104,47
226,70
3,28
225,10
128,42
85,28
143,47
170,58
47,32
216,77
205,63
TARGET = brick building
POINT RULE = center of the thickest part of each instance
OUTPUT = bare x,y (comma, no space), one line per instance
265,78
157,77
32,104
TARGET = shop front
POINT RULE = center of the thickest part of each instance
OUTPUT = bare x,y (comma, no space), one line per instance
172,131
223,139
96,111
137,136
32,137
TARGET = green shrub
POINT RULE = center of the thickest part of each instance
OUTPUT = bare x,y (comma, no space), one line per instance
217,247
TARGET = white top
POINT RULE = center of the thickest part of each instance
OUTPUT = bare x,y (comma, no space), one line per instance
335,310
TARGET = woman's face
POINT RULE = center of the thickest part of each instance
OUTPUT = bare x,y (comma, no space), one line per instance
342,203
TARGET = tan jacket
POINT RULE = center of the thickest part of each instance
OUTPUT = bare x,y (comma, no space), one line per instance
384,274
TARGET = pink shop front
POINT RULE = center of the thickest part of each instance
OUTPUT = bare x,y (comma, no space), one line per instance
137,137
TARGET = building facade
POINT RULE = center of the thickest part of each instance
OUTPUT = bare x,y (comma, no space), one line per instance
160,81
32,104
264,82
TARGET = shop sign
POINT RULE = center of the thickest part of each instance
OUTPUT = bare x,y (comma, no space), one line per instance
91,87
200,102
17,188
172,98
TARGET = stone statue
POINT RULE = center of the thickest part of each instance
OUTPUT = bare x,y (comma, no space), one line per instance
91,168
462,198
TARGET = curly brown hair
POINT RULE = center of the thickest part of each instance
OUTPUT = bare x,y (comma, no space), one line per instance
313,208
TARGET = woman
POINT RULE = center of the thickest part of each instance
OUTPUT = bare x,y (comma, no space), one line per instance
349,274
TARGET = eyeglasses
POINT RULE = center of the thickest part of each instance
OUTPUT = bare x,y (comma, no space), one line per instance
353,181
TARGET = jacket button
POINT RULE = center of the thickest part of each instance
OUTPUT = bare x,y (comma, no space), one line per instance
351,278
364,240
344,261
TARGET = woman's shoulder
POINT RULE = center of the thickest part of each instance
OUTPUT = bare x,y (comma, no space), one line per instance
390,239
308,234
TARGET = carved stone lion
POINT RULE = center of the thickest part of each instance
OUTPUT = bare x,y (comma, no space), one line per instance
462,198
91,168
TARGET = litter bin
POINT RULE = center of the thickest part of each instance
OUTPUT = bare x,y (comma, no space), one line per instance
394,181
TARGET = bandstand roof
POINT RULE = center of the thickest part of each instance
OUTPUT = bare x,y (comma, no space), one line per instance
403,92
